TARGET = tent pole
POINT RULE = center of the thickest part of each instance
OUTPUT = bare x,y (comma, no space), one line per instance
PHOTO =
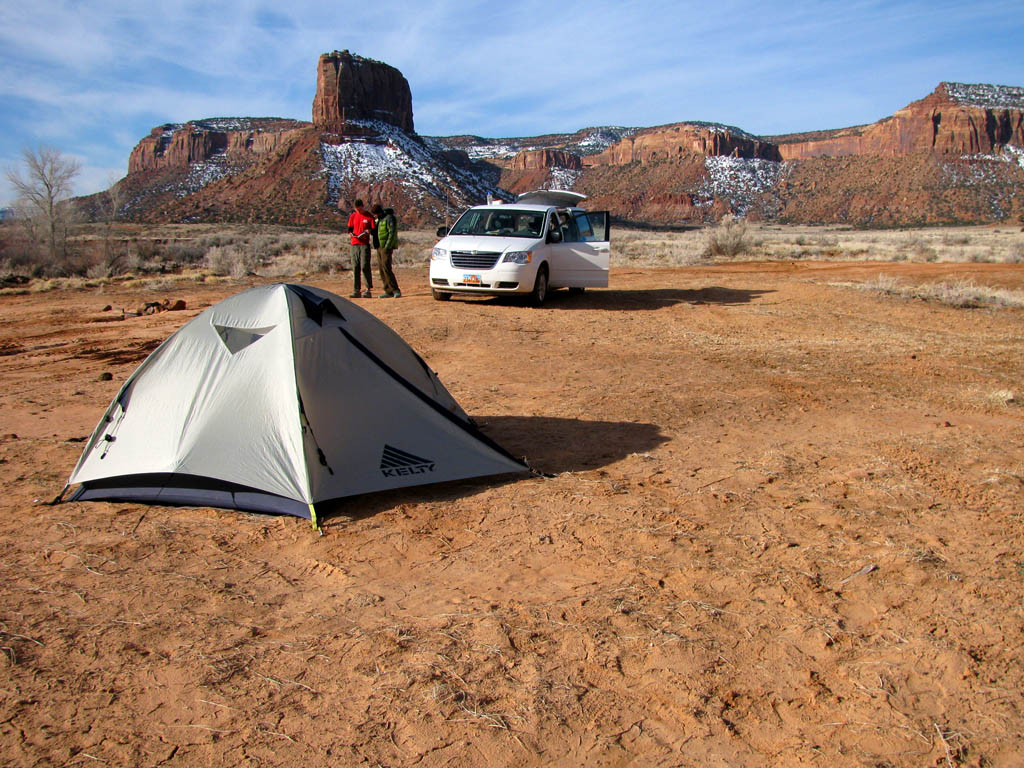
312,518
60,496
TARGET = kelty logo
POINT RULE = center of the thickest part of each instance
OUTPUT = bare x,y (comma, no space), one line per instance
397,463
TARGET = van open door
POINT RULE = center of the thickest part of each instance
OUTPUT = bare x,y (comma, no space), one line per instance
592,252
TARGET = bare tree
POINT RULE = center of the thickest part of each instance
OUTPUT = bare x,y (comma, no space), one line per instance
112,201
47,181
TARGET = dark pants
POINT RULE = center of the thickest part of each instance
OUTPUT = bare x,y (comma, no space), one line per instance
387,274
361,266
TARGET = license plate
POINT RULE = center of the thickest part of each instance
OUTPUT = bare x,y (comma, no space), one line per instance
471,279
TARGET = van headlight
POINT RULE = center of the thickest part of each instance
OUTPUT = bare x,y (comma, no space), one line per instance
517,257
438,253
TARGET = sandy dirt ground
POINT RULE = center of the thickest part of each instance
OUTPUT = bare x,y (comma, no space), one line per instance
783,528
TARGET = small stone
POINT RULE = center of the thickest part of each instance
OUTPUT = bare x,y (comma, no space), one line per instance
106,376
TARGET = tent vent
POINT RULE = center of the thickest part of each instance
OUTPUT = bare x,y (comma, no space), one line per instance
237,339
316,306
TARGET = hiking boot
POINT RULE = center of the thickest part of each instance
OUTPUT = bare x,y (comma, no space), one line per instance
386,296
397,295
367,294
354,295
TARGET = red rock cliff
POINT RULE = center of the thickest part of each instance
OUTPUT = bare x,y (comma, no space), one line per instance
955,119
350,87
241,139
682,140
537,159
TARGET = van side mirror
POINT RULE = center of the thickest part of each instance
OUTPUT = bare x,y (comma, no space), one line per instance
555,236
442,231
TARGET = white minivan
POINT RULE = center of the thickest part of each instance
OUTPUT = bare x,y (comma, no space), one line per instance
541,242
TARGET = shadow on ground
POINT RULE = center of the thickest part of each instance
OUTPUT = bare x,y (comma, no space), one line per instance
655,298
652,299
550,445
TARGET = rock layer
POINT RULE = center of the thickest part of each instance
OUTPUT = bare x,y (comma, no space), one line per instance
243,140
349,87
536,159
681,140
955,119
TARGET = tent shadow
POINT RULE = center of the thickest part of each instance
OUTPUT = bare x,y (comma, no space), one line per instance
550,445
557,445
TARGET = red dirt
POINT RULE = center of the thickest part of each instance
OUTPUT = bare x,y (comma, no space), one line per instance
784,529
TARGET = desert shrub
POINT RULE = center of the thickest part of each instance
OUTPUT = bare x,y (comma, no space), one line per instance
25,246
920,250
148,250
119,259
951,239
184,254
21,250
728,238
231,260
213,241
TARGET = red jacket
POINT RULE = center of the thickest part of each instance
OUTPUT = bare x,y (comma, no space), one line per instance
361,225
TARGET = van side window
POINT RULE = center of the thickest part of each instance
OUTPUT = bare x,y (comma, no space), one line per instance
566,225
586,231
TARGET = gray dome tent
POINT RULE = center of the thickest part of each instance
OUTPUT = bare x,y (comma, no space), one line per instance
274,400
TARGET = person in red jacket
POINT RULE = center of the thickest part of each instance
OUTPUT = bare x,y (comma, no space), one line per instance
362,228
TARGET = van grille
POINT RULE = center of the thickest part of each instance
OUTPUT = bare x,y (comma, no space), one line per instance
474,259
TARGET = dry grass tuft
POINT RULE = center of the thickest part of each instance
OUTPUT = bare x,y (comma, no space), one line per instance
952,293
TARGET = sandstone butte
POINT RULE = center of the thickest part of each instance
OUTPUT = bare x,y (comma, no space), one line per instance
350,87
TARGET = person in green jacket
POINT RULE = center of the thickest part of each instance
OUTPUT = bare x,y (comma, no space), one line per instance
387,233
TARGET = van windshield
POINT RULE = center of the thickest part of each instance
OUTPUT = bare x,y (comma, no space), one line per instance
506,222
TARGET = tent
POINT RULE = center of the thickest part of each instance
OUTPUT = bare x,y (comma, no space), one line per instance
274,400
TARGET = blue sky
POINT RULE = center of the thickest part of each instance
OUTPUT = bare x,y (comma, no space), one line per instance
92,78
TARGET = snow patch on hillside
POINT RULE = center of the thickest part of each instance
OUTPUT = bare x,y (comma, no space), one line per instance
740,180
984,96
1012,153
489,151
563,178
979,167
399,158
987,174
599,139
201,174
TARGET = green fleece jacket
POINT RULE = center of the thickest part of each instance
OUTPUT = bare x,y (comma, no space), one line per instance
387,231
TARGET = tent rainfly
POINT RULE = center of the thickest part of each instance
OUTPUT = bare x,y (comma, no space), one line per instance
274,400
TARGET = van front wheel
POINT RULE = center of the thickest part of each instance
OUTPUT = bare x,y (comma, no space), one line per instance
540,287
440,295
